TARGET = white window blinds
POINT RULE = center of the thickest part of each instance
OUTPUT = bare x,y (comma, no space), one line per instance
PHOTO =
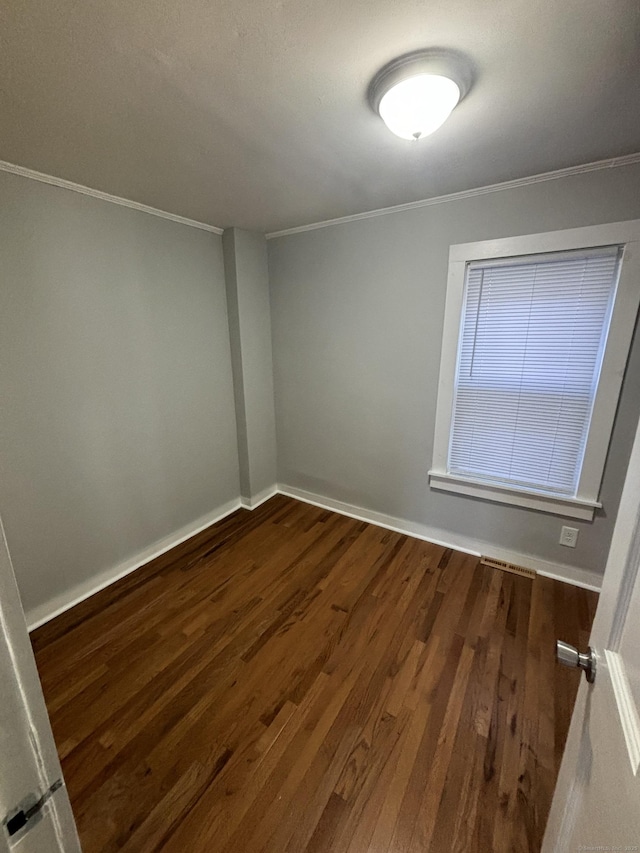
532,340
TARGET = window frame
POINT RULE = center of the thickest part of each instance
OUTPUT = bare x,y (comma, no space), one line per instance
622,324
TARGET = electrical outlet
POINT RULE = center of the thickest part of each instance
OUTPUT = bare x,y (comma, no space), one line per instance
569,536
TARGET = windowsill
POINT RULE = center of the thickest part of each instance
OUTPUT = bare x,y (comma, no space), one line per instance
539,500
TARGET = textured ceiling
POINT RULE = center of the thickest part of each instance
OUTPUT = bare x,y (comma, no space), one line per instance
253,112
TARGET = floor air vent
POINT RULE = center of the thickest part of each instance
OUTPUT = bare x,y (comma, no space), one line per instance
507,567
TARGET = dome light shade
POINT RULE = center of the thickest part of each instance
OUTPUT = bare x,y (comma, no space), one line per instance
417,106
416,93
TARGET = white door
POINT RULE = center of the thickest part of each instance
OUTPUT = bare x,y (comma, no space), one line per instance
29,763
596,805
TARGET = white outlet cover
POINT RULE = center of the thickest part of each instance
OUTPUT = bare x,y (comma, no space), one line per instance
569,536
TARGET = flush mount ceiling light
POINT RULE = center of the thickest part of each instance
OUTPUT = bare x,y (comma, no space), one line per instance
416,93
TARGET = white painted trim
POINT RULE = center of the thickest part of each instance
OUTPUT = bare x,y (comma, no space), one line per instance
629,719
622,322
13,169
541,501
558,571
259,498
65,601
574,575
548,242
613,162
380,519
68,599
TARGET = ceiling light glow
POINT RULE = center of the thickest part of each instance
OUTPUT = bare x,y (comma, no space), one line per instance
419,105
415,94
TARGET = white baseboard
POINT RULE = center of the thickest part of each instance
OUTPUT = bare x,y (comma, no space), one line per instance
255,501
558,571
68,599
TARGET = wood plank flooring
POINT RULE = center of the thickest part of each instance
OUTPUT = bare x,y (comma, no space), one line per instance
294,680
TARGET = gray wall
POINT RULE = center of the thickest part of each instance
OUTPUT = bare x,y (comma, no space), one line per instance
247,277
118,424
357,313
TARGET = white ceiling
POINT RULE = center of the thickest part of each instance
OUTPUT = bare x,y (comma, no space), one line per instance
253,112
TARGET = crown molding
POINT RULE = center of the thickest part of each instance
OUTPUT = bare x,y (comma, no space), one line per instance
113,199
611,163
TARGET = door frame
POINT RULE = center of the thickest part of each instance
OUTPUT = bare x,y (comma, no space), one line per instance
619,580
14,633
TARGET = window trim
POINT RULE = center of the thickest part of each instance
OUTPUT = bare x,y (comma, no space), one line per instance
623,318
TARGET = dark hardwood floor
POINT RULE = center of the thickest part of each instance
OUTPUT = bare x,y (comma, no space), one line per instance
294,680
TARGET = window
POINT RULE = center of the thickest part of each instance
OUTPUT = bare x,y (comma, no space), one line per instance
537,333
533,332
